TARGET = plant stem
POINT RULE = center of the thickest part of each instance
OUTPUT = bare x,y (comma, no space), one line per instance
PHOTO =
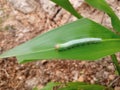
116,64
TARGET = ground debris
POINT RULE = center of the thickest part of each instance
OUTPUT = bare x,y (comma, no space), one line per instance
28,18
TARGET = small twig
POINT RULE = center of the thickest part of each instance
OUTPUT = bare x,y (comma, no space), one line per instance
5,72
57,12
102,18
113,81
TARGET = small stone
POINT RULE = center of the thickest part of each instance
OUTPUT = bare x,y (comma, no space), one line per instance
95,79
32,19
58,73
25,6
92,81
75,3
81,78
26,30
111,77
31,82
48,7
75,75
20,78
110,67
21,35
105,75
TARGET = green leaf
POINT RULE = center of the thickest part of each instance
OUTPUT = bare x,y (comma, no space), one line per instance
83,86
103,6
75,86
50,86
116,73
43,46
88,52
67,6
35,88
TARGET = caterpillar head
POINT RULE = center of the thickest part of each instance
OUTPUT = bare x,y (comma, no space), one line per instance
57,46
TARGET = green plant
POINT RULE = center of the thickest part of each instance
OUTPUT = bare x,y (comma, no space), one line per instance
74,86
48,45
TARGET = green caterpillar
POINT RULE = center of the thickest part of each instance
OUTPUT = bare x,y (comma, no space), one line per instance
77,42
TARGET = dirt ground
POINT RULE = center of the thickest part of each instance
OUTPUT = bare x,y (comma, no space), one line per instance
20,25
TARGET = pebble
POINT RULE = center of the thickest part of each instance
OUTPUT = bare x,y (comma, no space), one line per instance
81,78
48,6
92,81
105,75
110,67
75,75
111,77
30,83
25,6
20,78
75,3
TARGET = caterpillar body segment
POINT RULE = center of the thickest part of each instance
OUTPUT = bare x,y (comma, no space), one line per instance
76,43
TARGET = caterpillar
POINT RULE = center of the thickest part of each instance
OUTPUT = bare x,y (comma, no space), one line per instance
77,42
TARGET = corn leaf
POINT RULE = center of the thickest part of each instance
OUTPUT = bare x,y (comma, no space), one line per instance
102,5
83,86
50,86
88,52
75,86
43,46
67,6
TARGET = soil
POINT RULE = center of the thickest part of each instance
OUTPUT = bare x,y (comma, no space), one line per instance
17,27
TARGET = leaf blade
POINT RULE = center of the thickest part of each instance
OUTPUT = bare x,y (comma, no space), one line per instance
82,28
50,86
43,46
89,52
83,86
